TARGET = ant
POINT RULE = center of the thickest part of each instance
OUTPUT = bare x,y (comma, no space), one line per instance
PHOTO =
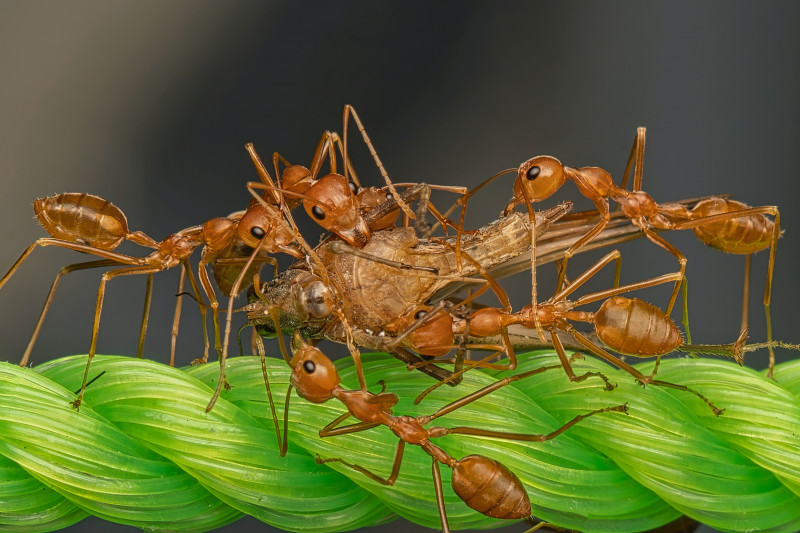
484,484
90,224
727,225
336,201
628,326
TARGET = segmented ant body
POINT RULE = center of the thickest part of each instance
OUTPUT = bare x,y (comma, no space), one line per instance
736,228
724,224
336,201
628,326
484,484
92,225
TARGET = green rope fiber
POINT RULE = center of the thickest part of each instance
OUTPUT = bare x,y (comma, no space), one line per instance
142,451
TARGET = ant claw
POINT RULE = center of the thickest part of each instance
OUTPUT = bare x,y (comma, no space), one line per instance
76,404
717,411
319,460
198,361
610,386
226,385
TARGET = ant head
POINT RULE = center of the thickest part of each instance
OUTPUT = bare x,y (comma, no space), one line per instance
539,178
256,222
313,374
332,204
262,220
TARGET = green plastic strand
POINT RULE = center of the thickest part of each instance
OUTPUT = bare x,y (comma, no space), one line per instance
143,451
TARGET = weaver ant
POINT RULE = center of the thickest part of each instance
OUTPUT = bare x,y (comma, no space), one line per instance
724,224
484,484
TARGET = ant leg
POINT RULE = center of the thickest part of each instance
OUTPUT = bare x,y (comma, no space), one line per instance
49,241
452,406
99,308
637,155
348,110
193,283
398,460
49,300
660,241
455,378
746,293
641,378
222,382
205,283
565,363
331,430
589,273
176,318
637,171
437,487
462,430
602,295
263,175
148,296
350,172
776,232
283,442
602,206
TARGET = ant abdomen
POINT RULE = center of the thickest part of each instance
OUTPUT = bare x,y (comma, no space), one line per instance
635,327
82,218
742,235
490,488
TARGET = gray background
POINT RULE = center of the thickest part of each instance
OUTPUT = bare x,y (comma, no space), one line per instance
149,105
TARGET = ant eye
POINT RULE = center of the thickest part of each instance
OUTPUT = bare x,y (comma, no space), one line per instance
309,367
318,213
353,187
257,232
389,197
421,313
533,172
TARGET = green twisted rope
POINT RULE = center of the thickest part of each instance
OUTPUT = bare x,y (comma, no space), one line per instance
142,451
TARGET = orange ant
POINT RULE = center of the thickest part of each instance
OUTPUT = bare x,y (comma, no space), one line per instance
336,201
484,484
90,224
730,226
626,325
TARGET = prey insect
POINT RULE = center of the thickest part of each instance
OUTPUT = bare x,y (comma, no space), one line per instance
484,484
370,289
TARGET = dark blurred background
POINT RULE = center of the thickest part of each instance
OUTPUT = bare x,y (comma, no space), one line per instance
149,105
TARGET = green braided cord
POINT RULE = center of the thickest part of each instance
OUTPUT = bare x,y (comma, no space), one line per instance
142,451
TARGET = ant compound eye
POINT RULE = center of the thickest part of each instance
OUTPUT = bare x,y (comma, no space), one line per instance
421,313
309,367
318,213
389,197
257,232
353,187
533,172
